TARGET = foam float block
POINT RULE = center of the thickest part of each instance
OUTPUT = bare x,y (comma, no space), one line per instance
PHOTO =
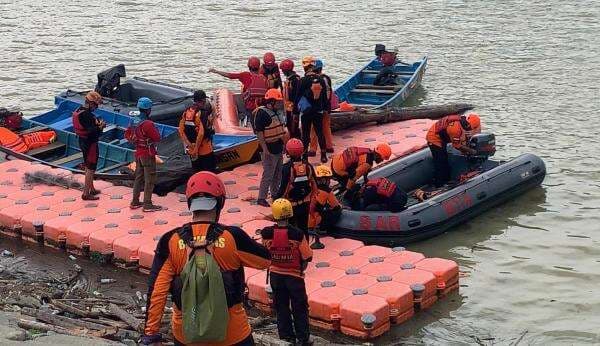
323,272
354,280
372,251
380,268
78,233
445,271
55,229
398,296
101,241
324,306
415,277
347,260
401,256
257,288
37,216
364,316
11,215
340,244
126,248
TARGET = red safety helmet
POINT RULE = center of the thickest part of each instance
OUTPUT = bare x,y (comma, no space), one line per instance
253,63
205,191
269,59
294,147
475,122
286,65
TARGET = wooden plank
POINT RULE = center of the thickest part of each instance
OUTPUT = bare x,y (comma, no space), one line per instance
46,149
401,73
378,87
373,91
126,317
33,129
110,168
66,159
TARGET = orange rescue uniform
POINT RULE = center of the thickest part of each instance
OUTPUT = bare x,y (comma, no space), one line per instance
232,250
351,164
318,201
438,136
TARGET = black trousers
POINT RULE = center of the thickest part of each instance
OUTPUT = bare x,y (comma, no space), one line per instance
293,124
205,163
290,291
440,165
312,119
300,218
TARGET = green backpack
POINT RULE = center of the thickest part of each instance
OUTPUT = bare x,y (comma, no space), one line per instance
203,300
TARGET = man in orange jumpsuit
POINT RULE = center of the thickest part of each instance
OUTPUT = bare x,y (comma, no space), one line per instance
232,249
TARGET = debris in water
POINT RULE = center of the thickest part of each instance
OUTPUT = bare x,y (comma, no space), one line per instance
72,257
7,253
107,281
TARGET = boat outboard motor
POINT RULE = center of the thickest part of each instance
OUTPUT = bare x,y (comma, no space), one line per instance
484,144
109,81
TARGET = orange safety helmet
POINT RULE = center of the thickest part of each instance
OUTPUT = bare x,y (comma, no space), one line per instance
253,63
205,191
93,97
308,61
294,147
384,150
269,59
475,122
286,65
273,94
454,131
346,107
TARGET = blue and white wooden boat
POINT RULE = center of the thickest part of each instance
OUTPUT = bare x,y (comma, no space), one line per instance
359,90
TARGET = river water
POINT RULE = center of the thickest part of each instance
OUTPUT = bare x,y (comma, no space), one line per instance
531,266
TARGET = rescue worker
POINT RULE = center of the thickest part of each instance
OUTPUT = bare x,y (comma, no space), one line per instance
297,183
312,102
290,254
146,138
449,129
196,131
290,91
270,70
387,75
89,129
326,114
355,162
475,122
269,128
325,209
231,248
379,194
254,86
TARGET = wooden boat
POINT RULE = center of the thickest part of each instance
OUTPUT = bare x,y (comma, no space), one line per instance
359,90
116,151
121,97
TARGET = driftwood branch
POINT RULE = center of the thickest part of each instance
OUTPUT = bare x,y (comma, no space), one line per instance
344,120
73,310
126,317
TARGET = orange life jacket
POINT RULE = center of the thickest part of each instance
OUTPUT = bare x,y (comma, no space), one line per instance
193,117
284,254
255,92
351,155
273,77
39,139
385,187
316,88
435,133
287,92
77,127
275,131
300,184
12,141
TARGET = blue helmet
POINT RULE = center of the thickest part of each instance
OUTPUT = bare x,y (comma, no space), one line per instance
319,63
144,103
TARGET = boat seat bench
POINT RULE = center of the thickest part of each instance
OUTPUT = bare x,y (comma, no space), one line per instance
378,87
374,91
46,149
66,159
33,129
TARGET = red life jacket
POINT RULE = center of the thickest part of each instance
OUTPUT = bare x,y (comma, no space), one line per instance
351,156
77,127
255,92
442,124
12,141
283,254
136,136
300,183
385,187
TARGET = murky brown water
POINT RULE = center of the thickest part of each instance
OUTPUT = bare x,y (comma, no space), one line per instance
532,67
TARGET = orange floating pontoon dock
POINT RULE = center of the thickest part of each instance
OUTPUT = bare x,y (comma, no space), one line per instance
352,288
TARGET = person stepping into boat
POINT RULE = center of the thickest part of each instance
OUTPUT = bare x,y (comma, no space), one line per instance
325,209
270,70
297,183
356,162
379,194
450,129
254,86
290,94
145,136
331,104
196,131
89,129
312,102
290,254
232,250
269,127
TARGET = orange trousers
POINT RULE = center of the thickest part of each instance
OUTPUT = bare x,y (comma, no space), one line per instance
326,132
